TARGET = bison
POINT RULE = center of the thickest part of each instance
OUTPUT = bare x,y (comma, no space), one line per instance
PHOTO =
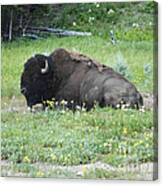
78,80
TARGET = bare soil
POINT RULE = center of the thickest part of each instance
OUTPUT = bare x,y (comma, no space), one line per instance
144,171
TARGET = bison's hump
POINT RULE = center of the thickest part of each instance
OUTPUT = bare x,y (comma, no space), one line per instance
63,55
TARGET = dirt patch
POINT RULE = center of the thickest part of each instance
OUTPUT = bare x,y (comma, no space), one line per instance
149,100
144,171
14,104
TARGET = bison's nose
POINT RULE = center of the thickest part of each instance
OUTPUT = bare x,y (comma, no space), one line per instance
23,90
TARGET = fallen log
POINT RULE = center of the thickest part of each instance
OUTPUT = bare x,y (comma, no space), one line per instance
31,36
45,29
58,32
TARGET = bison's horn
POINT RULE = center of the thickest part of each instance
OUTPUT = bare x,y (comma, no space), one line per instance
44,70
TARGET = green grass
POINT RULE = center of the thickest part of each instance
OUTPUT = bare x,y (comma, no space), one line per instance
65,138
136,55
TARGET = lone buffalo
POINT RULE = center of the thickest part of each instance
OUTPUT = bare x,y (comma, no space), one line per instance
78,80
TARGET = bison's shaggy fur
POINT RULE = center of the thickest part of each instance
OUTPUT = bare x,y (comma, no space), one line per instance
78,80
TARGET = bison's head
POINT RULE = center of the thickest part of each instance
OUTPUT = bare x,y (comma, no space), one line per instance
36,79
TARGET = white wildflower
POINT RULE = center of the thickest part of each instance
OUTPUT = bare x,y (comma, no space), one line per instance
123,106
72,101
78,107
142,109
74,23
91,19
127,105
150,23
110,11
97,5
118,106
136,25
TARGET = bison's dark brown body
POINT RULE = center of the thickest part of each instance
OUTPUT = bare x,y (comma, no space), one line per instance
77,79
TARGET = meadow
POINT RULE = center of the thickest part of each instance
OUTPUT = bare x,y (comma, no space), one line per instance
60,137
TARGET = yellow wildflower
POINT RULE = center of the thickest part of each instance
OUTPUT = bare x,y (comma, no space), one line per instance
84,169
39,174
63,102
105,144
26,159
53,157
125,130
